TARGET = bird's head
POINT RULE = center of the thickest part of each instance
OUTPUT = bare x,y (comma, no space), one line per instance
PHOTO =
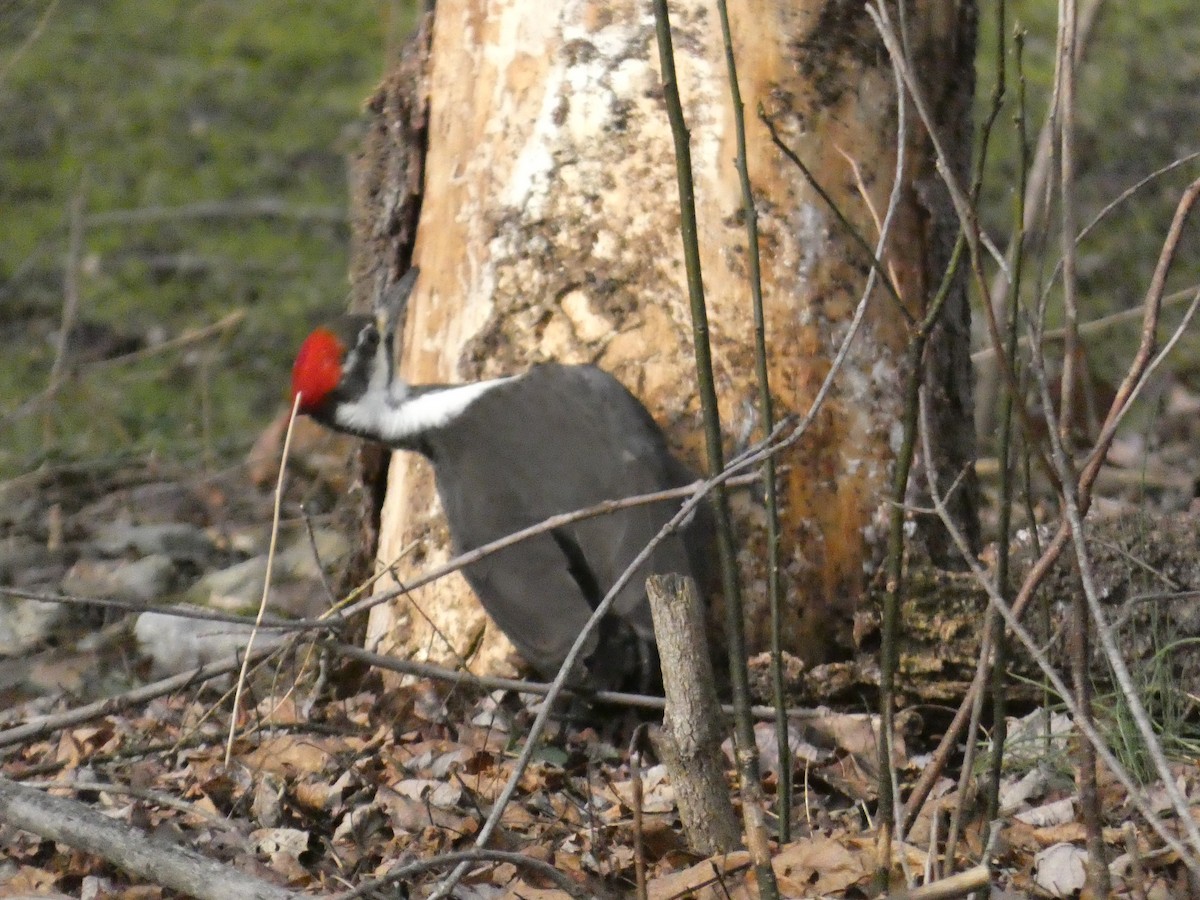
339,363
350,359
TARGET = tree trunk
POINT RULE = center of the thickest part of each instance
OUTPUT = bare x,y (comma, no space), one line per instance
548,229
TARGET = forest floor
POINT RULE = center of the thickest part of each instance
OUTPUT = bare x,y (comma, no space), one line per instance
334,779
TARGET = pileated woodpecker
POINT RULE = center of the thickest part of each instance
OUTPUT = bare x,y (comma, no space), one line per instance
508,453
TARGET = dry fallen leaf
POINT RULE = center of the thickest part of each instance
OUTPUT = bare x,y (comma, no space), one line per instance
822,865
1061,870
1057,813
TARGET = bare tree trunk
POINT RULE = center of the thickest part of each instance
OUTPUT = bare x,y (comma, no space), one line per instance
548,230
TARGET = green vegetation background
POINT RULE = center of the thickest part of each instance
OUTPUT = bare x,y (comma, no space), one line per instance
167,104
137,105
1137,110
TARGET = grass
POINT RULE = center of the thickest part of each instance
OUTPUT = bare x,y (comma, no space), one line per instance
166,104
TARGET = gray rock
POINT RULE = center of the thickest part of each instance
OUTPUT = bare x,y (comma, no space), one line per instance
175,644
176,540
27,623
233,589
296,584
19,554
143,580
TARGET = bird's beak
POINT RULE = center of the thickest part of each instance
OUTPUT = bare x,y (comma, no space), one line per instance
392,302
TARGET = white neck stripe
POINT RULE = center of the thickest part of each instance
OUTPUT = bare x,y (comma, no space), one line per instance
396,416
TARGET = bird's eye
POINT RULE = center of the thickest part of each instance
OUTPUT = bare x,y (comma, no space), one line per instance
368,337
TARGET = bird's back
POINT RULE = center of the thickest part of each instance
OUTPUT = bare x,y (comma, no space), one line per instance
557,439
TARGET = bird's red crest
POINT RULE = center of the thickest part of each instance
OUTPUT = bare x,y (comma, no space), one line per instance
318,368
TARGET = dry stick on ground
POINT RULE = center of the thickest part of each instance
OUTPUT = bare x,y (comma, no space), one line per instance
157,798
1011,615
1140,369
537,688
689,742
960,885
58,721
466,857
83,828
635,776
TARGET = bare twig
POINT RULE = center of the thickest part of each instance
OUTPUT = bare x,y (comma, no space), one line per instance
71,276
262,604
745,747
961,885
537,688
1012,617
1039,168
1095,326
872,257
30,40
889,824
1140,369
1116,661
191,336
635,775
158,798
559,683
180,611
1061,442
968,220
730,476
767,408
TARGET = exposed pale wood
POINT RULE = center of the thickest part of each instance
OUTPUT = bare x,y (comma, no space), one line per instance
548,230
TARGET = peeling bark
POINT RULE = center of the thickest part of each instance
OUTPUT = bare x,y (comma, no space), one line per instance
548,230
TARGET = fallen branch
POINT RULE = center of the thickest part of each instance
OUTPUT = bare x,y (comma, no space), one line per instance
83,828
